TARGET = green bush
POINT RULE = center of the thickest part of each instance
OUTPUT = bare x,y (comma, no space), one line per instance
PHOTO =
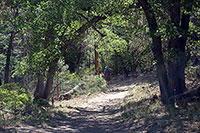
13,98
69,81
89,84
72,79
94,84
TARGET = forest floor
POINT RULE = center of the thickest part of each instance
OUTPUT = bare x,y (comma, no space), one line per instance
128,106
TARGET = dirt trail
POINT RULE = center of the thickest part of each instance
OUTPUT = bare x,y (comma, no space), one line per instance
97,114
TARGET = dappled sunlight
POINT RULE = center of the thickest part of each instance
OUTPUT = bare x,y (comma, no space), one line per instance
100,112
154,117
99,66
128,106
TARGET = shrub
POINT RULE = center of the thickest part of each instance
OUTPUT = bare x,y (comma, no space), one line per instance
13,98
94,84
89,84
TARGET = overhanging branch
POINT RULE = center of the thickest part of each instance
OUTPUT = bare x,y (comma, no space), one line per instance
102,35
80,32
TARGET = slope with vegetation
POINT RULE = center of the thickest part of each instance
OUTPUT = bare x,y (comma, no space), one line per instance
54,50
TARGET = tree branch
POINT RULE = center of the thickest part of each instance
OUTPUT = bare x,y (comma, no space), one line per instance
80,32
102,35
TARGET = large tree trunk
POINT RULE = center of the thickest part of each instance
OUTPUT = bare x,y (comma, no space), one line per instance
40,88
173,75
165,91
50,76
181,75
8,55
176,65
157,51
171,82
182,44
163,83
176,69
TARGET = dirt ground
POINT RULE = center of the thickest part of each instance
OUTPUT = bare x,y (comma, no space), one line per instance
101,113
97,113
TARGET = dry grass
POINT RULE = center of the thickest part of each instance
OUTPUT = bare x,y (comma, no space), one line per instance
138,112
151,116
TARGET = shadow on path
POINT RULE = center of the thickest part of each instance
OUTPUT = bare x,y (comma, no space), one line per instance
95,118
120,81
82,120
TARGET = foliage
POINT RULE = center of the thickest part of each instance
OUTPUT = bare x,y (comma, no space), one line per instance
118,52
193,76
193,44
94,84
72,79
148,112
37,114
192,72
14,98
11,23
42,28
89,83
14,101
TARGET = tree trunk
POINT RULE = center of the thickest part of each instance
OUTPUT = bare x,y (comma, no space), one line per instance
8,55
181,75
9,52
49,82
157,51
171,82
182,44
96,59
176,70
176,65
40,88
165,91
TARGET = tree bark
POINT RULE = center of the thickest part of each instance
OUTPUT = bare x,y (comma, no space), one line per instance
171,82
176,69
9,51
96,59
176,65
40,88
49,82
182,44
8,55
157,52
69,94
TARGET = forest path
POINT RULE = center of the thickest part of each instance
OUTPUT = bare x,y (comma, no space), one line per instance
100,113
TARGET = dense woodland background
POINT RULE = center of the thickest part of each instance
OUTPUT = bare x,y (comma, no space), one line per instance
48,47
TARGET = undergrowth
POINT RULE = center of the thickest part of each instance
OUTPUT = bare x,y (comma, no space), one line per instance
14,100
88,84
153,116
16,105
